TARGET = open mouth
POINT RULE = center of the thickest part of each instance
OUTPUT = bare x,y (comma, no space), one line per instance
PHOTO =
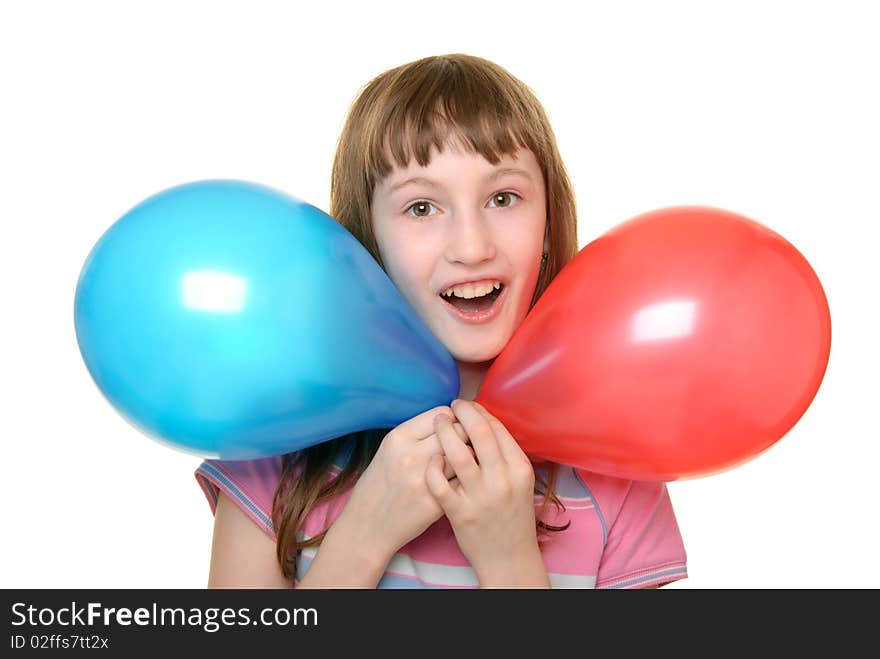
473,301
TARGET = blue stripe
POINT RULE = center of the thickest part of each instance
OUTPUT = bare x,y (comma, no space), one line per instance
210,490
345,452
595,507
567,485
677,571
237,493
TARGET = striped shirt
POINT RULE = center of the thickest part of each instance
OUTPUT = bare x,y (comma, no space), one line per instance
622,534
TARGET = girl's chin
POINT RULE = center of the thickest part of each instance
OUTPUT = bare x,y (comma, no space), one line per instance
474,349
471,356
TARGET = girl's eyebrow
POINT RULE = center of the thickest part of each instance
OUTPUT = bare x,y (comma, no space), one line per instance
498,173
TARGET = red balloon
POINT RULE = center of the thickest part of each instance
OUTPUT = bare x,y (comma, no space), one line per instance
681,343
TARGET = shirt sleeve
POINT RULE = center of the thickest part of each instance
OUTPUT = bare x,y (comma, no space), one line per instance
250,484
644,546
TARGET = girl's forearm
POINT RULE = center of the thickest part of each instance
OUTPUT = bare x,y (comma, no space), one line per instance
347,558
523,571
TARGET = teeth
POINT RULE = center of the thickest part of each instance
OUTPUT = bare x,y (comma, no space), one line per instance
468,291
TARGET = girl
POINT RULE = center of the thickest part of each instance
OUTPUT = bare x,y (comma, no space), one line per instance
447,171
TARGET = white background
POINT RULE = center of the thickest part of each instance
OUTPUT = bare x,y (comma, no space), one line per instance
766,108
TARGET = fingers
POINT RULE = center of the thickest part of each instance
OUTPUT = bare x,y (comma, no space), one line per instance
508,446
421,426
459,429
431,444
481,434
446,492
448,471
457,454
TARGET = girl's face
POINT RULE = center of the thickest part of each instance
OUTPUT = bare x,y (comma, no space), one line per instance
462,240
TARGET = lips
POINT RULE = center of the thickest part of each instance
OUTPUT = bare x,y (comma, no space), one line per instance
471,290
473,281
476,310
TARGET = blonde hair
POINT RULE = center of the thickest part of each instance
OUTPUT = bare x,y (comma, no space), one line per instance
404,112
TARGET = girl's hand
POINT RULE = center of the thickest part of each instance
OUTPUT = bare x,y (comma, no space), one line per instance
390,503
491,508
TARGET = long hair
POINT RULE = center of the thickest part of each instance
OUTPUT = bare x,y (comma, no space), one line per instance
404,112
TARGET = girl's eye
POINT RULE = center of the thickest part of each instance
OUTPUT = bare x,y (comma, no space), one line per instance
426,208
505,199
420,209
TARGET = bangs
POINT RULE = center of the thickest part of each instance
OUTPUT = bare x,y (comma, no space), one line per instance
456,99
478,110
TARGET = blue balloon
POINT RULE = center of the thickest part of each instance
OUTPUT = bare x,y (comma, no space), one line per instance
230,320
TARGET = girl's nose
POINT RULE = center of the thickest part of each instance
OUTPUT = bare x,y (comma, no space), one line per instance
470,239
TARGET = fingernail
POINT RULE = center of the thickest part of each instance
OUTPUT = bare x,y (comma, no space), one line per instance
441,417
